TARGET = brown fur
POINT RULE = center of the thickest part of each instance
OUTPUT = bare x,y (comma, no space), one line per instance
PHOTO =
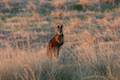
55,43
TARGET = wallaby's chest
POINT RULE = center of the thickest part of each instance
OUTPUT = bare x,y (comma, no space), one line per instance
56,41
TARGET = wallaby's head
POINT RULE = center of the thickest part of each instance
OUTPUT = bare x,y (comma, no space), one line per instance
60,29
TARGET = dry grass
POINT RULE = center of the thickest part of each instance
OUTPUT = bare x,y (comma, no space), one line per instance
91,50
58,4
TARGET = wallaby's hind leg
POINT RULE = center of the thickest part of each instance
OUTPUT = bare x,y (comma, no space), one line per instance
55,53
49,53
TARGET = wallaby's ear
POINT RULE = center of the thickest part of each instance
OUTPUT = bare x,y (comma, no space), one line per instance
58,26
61,26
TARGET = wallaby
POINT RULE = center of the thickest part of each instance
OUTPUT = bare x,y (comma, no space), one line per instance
55,43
